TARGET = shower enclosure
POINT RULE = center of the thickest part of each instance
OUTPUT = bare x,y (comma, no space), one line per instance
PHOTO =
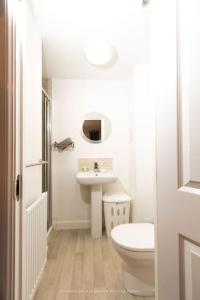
46,154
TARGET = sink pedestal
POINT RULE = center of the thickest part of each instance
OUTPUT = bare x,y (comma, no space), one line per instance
96,211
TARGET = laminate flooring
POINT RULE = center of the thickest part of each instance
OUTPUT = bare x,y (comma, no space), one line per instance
80,268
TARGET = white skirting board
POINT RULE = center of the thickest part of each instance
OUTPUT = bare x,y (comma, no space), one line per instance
74,224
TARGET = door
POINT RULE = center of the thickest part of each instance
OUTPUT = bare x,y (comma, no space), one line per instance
34,202
176,88
7,149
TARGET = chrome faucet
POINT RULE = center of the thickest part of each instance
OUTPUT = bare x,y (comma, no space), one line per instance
96,167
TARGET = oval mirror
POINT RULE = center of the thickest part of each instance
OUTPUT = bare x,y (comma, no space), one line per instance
95,127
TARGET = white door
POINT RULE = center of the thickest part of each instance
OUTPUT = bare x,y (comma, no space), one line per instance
176,86
34,206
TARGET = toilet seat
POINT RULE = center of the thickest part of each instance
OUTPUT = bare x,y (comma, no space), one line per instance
138,237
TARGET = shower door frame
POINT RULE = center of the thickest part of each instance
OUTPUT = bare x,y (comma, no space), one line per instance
47,157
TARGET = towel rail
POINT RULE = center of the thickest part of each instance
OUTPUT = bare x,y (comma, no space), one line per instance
41,162
63,145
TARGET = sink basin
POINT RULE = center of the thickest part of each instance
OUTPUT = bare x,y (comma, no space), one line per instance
96,178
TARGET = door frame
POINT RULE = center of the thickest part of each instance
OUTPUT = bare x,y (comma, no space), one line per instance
7,150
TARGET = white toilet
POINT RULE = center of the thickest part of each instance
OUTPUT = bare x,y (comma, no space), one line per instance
135,245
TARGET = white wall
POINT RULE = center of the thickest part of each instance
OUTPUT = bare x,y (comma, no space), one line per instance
72,99
142,118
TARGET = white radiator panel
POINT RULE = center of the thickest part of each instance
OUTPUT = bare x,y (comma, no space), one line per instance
36,243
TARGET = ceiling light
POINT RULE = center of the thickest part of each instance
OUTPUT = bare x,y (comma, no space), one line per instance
99,53
145,2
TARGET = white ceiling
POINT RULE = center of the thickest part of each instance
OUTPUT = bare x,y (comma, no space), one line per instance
68,25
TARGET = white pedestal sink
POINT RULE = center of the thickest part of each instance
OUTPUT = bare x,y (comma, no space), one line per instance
96,181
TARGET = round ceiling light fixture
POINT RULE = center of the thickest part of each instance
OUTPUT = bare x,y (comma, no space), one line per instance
99,53
145,2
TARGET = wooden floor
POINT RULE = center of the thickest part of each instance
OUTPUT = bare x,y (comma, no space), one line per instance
79,268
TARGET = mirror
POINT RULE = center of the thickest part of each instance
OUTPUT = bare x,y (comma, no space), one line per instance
95,128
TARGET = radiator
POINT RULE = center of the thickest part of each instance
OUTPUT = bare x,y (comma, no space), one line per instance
36,244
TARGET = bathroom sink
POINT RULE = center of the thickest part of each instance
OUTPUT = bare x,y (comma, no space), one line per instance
96,178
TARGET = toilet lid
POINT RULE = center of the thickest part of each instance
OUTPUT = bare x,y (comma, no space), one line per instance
134,237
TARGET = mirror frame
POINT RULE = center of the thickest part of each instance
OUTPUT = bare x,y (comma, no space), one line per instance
83,134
